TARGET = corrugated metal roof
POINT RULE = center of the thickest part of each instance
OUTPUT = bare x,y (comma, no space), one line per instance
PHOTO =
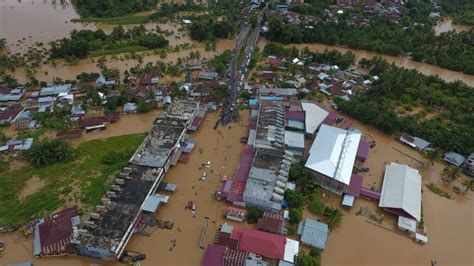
314,116
327,153
294,139
313,233
402,189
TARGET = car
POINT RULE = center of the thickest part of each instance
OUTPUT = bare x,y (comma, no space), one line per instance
208,164
193,209
204,176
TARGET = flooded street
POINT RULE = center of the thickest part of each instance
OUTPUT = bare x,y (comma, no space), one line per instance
399,61
446,24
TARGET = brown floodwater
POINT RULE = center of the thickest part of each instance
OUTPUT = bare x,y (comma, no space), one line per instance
66,71
356,241
126,125
446,24
400,61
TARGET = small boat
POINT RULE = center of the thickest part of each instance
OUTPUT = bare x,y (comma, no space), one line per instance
2,245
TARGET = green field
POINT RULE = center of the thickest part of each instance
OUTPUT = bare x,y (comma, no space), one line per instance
82,181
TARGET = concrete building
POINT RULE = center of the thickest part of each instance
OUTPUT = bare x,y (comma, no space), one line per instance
332,156
401,191
468,166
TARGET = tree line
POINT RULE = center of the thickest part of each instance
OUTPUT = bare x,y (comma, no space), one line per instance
446,118
112,8
83,42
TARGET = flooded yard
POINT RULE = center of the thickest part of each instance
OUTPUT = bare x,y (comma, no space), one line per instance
446,24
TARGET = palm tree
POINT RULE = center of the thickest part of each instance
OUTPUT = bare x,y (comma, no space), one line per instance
469,184
450,174
433,156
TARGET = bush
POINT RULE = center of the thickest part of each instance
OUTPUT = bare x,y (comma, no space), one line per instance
253,215
315,203
294,199
49,152
114,157
296,215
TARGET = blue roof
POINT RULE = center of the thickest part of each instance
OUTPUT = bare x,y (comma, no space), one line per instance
272,98
313,233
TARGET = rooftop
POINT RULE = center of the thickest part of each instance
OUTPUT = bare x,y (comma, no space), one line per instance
271,127
313,233
401,189
182,110
333,153
159,144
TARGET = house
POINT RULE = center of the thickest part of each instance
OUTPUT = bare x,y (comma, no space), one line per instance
272,222
9,115
17,145
45,104
261,243
130,108
315,114
55,90
468,167
11,95
69,134
77,110
294,142
267,76
453,158
53,234
401,191
112,117
109,82
208,75
414,142
313,233
92,123
150,79
332,156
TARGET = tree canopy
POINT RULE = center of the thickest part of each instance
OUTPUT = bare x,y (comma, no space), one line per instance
49,152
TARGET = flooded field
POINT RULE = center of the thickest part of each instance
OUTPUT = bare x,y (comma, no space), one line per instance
399,61
66,71
127,124
446,24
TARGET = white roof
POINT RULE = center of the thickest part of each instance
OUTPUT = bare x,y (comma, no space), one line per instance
328,155
348,200
401,189
407,224
314,116
294,139
292,248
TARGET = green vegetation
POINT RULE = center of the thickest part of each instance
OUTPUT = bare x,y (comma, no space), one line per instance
220,62
294,199
121,20
295,215
452,125
112,8
206,28
254,58
253,215
49,152
450,174
315,204
82,181
85,42
438,190
466,18
57,120
413,36
218,95
311,259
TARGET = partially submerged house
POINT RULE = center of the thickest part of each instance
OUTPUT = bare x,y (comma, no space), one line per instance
53,234
332,156
11,95
272,222
414,142
401,191
468,166
92,123
453,158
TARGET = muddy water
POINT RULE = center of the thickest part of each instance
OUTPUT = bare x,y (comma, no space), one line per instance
127,124
65,71
448,222
399,61
224,151
446,24
36,21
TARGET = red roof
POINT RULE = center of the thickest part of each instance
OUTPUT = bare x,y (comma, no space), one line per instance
355,185
213,255
56,232
10,114
112,117
262,243
295,115
273,223
69,134
346,124
92,121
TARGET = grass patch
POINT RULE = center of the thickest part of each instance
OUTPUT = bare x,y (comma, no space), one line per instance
438,190
88,171
122,20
